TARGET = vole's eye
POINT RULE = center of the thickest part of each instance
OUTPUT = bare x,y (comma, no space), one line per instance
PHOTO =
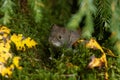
59,37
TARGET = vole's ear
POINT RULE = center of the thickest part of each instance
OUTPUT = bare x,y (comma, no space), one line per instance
54,26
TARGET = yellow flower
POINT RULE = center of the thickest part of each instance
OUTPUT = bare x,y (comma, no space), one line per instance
3,48
2,60
6,71
4,29
29,42
7,45
15,38
4,52
1,37
20,42
1,67
16,62
5,35
6,56
12,66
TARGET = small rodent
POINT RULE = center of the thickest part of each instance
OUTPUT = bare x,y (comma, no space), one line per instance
61,36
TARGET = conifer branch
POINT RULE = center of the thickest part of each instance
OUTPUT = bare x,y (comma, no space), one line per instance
36,6
7,9
87,9
102,17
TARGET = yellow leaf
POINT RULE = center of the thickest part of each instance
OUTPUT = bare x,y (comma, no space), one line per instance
78,42
106,76
97,62
94,45
109,52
